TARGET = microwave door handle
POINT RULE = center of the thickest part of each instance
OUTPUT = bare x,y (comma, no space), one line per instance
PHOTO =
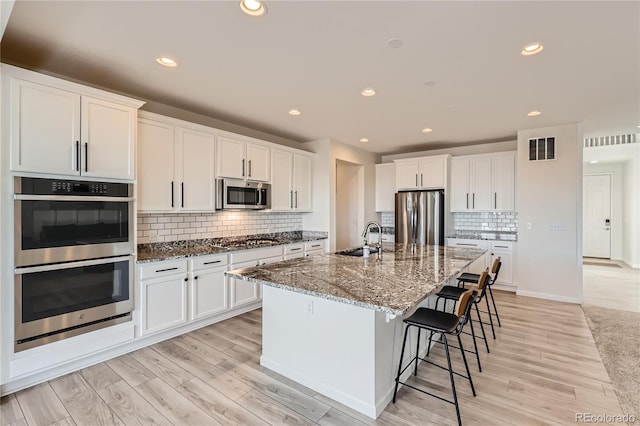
259,197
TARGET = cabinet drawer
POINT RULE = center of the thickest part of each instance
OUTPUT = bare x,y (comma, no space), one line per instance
502,245
205,262
293,249
162,269
245,256
456,242
314,245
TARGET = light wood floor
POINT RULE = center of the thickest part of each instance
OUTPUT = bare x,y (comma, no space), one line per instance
610,286
543,369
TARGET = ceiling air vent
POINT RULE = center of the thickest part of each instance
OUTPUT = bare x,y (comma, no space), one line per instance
541,149
611,140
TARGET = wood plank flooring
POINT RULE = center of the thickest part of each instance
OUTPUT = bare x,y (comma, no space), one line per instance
613,288
543,369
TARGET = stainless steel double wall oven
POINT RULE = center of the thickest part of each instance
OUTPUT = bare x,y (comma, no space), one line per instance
74,251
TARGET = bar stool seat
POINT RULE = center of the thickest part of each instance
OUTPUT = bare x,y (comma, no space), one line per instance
468,277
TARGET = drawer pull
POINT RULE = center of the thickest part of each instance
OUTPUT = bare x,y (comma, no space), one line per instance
296,249
167,269
316,245
466,244
502,247
212,262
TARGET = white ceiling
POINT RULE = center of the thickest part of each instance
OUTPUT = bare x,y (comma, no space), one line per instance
317,56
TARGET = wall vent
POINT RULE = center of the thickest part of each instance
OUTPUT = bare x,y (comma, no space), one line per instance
542,149
612,140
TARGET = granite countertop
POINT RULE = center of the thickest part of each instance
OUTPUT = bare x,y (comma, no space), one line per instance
396,285
485,235
187,248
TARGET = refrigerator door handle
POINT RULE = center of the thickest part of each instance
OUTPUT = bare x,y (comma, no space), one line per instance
416,179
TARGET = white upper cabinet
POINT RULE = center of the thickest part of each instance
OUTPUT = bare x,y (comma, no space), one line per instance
504,182
175,166
242,160
385,187
422,173
196,177
483,182
62,128
156,163
290,181
108,133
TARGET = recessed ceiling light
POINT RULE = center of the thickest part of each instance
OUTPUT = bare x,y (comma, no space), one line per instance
166,61
364,140
533,113
427,130
531,49
294,112
368,92
638,126
394,43
593,161
253,7
429,83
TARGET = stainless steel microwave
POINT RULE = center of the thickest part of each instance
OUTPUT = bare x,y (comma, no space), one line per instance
241,194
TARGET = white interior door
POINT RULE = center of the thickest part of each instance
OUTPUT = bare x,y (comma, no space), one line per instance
596,207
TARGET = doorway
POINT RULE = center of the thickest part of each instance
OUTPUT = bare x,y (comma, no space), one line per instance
596,210
349,204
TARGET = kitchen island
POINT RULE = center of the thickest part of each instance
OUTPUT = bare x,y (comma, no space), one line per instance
334,323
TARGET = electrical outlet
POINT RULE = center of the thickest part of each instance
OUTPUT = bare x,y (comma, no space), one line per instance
309,307
557,227
529,226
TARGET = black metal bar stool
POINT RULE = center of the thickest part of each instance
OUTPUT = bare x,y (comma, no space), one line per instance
468,277
446,324
453,293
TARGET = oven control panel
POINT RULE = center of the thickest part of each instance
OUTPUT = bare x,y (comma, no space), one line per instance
37,186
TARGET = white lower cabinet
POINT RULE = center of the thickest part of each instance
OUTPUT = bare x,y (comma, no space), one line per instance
243,292
506,251
163,295
208,289
479,265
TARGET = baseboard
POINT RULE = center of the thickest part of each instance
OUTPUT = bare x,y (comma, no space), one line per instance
629,264
549,296
505,287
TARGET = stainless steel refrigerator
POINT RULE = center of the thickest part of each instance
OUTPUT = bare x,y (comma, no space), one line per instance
420,217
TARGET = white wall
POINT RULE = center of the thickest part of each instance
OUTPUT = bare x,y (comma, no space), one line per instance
617,225
549,262
484,148
328,152
6,6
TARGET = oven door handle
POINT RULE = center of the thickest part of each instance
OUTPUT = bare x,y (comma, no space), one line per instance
69,265
70,198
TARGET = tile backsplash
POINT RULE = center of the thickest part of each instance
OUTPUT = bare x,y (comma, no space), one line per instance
486,221
161,227
388,219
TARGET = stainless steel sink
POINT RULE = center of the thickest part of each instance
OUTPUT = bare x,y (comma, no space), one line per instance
356,251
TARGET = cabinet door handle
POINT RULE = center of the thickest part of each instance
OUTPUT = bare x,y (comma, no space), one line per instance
249,168
86,156
78,155
296,192
212,262
421,182
243,168
467,200
291,199
416,179
473,200
495,200
166,269
171,193
186,279
182,194
195,278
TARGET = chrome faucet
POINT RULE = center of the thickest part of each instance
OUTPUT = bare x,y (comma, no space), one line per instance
366,231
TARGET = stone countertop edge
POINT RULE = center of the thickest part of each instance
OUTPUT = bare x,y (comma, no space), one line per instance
206,248
410,307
